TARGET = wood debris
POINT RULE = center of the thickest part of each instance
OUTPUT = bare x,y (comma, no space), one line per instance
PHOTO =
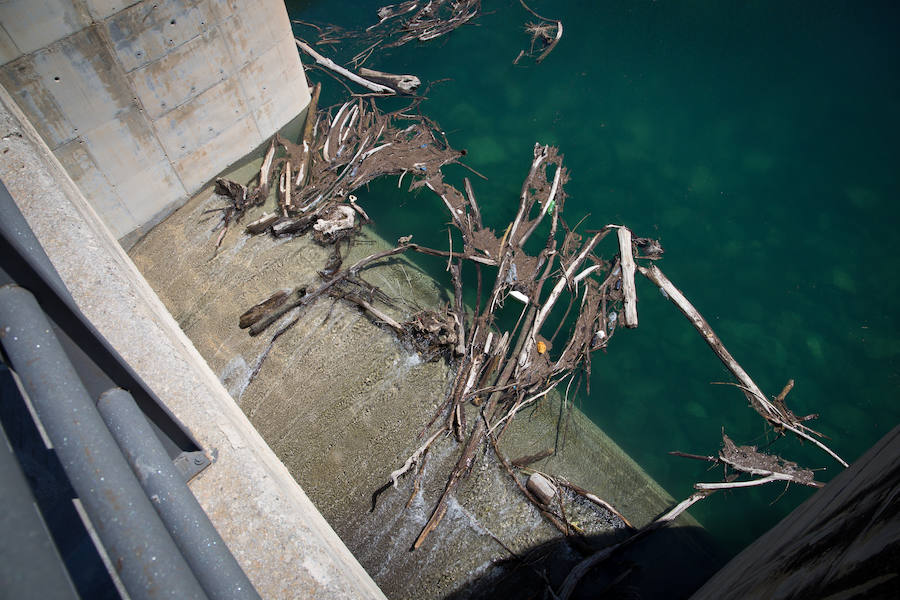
502,372
342,149
745,459
545,35
536,261
775,413
422,21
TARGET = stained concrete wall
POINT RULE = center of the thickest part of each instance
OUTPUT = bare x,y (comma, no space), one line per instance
145,102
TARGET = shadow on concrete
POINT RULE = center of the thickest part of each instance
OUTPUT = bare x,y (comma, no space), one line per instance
54,495
669,564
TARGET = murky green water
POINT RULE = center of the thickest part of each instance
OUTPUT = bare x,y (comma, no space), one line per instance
759,142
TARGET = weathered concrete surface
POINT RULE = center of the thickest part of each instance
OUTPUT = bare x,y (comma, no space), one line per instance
342,401
145,102
282,542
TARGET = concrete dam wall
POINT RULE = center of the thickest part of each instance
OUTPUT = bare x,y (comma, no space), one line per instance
145,102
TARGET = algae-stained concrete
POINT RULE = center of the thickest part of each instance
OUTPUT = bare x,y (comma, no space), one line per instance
342,402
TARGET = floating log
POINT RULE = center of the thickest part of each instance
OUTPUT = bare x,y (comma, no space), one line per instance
330,64
403,84
627,258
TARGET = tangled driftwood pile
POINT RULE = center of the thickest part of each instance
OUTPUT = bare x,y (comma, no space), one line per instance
342,149
545,35
503,371
548,271
412,21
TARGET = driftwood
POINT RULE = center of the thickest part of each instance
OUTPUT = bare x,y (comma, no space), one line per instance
402,84
780,418
258,311
330,64
541,487
505,373
581,569
262,224
547,31
627,260
513,375
339,219
745,459
400,24
501,372
309,132
423,21
340,152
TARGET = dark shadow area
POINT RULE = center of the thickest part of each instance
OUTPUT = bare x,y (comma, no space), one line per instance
54,495
667,564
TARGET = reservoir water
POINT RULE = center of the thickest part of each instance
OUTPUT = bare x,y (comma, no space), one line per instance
757,140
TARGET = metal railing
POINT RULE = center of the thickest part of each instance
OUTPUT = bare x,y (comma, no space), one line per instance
125,455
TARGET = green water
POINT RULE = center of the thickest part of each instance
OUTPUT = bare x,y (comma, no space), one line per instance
759,142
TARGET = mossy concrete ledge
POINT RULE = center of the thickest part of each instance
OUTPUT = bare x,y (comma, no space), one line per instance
283,543
342,402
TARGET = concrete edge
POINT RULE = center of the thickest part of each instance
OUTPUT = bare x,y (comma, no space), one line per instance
276,533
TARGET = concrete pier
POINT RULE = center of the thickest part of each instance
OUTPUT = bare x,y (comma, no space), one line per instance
277,535
144,102
112,114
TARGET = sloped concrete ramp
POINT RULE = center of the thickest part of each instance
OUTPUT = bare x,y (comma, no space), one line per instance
341,401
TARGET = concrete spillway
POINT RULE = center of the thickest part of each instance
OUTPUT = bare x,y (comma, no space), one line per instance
341,401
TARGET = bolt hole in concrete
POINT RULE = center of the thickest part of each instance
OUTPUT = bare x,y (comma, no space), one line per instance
56,78
172,22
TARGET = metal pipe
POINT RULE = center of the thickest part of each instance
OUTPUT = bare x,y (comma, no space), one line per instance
23,261
218,572
143,553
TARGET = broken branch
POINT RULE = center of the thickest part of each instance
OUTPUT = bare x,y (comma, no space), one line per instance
330,64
